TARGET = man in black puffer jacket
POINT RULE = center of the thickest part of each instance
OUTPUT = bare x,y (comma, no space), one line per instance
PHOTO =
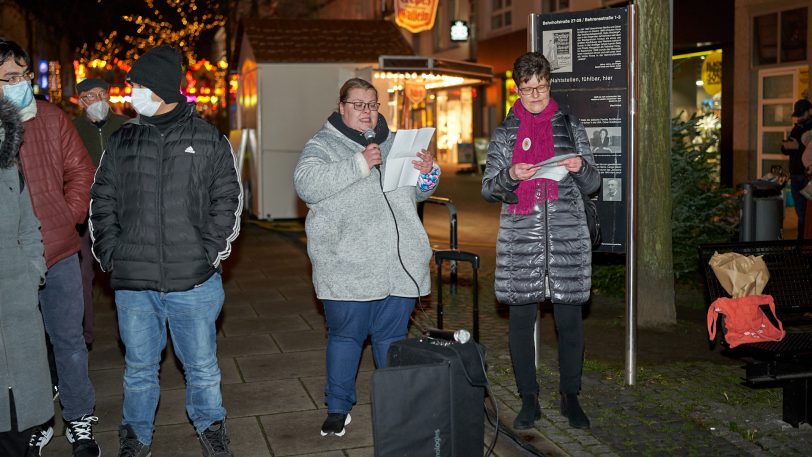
164,211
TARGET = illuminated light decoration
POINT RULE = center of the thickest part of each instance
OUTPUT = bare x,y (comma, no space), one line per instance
416,15
459,31
43,74
182,32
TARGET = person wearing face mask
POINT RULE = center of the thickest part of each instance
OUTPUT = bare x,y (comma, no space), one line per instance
97,122
95,125
165,208
367,262
58,172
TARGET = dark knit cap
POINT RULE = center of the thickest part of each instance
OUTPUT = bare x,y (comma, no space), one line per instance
159,70
801,107
91,83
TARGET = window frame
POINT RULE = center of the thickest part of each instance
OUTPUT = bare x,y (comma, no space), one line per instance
779,13
795,72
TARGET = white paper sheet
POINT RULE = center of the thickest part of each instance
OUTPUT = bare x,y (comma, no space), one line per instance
550,168
399,170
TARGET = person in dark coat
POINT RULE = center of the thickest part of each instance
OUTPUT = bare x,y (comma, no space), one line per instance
794,148
26,401
95,125
543,251
165,208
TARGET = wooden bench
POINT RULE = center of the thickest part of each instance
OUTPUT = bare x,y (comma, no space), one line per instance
787,362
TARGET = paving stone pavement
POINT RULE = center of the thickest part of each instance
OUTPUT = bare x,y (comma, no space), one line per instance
688,400
271,342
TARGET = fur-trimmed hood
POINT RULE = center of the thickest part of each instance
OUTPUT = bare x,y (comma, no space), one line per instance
11,133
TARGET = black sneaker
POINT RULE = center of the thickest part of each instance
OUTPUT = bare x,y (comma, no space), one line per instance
334,424
79,433
128,444
40,437
214,440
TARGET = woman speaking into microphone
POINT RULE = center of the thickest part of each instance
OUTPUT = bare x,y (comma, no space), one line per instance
369,251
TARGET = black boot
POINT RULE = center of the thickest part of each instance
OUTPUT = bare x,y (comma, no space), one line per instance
530,413
571,409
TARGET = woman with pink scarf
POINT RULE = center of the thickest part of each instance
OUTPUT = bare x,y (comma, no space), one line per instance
543,251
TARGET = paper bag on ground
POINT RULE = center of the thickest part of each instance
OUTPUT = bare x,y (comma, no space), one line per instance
740,275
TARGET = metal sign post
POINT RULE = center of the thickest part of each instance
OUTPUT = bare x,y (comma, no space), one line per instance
631,209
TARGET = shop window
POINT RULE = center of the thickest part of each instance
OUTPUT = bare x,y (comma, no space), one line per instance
696,83
780,37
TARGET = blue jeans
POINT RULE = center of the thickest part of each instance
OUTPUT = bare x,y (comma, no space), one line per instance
142,320
797,183
63,309
348,324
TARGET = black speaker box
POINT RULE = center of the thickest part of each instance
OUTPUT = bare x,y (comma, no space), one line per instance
430,400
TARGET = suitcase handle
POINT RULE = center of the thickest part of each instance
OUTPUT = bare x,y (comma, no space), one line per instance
456,254
460,256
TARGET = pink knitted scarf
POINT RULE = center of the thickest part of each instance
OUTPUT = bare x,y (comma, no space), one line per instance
534,143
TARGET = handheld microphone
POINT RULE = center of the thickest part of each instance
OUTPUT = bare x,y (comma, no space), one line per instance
451,336
369,135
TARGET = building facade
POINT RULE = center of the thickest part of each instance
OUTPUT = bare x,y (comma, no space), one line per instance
772,60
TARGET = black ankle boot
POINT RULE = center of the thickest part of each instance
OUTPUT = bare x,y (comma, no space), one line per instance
530,413
571,409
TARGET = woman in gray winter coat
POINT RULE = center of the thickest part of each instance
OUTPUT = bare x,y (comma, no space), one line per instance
369,251
24,375
543,251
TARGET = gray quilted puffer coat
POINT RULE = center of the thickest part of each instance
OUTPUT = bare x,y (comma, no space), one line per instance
550,247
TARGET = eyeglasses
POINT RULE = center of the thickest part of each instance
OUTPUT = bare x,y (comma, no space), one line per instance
360,106
92,97
540,89
14,79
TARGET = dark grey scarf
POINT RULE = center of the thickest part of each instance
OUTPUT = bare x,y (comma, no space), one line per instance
381,130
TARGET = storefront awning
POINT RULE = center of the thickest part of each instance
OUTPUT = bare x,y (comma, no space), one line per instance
433,72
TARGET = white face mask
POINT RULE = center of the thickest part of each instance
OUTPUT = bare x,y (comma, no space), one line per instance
142,101
97,111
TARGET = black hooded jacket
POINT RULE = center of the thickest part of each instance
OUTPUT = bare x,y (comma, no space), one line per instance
165,207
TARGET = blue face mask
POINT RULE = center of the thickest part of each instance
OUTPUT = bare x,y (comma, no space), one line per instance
20,94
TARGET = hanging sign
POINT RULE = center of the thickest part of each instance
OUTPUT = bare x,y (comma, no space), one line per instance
415,15
712,73
416,93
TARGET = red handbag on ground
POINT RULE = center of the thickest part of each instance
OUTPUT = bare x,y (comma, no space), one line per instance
745,322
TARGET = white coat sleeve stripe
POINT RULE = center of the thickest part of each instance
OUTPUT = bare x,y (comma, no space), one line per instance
90,217
222,255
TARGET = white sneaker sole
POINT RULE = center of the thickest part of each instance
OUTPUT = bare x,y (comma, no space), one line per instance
343,430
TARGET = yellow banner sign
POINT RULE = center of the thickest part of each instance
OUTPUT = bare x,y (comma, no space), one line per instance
712,73
416,15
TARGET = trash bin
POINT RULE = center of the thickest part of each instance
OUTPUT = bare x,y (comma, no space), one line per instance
762,217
